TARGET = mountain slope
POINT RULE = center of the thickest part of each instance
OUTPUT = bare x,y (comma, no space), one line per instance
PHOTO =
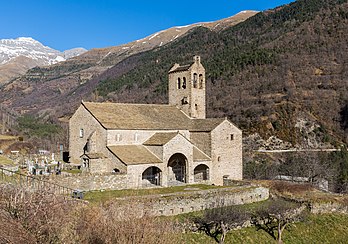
47,89
282,72
19,55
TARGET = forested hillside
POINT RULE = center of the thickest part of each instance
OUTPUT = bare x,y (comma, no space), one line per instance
282,72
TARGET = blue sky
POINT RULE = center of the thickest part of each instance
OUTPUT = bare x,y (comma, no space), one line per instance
64,24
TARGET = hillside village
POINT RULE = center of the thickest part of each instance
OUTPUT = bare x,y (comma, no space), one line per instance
229,131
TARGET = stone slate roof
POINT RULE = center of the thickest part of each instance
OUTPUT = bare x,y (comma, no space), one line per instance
198,155
134,154
181,68
205,124
159,139
138,116
147,117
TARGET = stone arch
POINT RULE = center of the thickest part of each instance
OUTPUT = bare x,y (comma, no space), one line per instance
177,169
151,177
201,173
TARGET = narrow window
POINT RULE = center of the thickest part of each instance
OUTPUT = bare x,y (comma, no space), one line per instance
179,83
194,80
200,81
136,137
81,133
184,83
196,106
231,137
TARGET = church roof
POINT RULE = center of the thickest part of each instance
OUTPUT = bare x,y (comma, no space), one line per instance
134,154
205,124
147,117
159,139
138,116
181,68
198,155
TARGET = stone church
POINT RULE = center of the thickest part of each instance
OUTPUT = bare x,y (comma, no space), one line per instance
156,144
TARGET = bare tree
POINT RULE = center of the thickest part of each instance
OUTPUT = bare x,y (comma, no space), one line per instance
217,222
274,219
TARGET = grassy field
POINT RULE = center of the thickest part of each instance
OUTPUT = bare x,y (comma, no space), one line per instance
323,228
102,196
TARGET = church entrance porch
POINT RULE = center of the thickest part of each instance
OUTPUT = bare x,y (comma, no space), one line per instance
177,169
201,173
151,177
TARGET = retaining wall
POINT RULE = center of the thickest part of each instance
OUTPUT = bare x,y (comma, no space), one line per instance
185,202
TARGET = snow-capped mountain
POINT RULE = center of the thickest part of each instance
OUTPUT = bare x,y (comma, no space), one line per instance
30,48
20,54
73,52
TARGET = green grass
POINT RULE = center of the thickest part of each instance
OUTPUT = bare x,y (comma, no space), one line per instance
323,228
102,196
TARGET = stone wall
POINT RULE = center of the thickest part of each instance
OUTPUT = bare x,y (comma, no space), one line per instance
92,182
226,155
185,202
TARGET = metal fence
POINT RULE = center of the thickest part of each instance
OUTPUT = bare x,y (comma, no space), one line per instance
33,183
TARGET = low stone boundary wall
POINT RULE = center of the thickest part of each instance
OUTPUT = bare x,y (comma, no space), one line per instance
185,202
91,182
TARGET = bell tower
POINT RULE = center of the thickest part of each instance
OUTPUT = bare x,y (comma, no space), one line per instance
187,88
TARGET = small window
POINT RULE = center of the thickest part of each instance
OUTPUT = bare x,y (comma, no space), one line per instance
196,106
218,158
184,83
179,83
231,137
81,133
184,101
136,137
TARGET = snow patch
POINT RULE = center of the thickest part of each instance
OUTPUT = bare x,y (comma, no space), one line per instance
151,37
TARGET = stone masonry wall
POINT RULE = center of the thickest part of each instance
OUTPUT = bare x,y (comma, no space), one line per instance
185,202
92,182
226,152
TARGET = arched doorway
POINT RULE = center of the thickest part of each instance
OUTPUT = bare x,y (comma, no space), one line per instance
151,177
201,173
177,169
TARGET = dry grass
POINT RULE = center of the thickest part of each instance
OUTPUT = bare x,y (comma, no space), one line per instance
6,137
5,161
27,217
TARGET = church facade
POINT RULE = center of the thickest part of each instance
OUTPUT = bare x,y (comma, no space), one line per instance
158,145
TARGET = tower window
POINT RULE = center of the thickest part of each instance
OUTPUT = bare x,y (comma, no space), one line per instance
194,80
231,137
179,83
200,81
184,83
196,106
184,101
81,133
